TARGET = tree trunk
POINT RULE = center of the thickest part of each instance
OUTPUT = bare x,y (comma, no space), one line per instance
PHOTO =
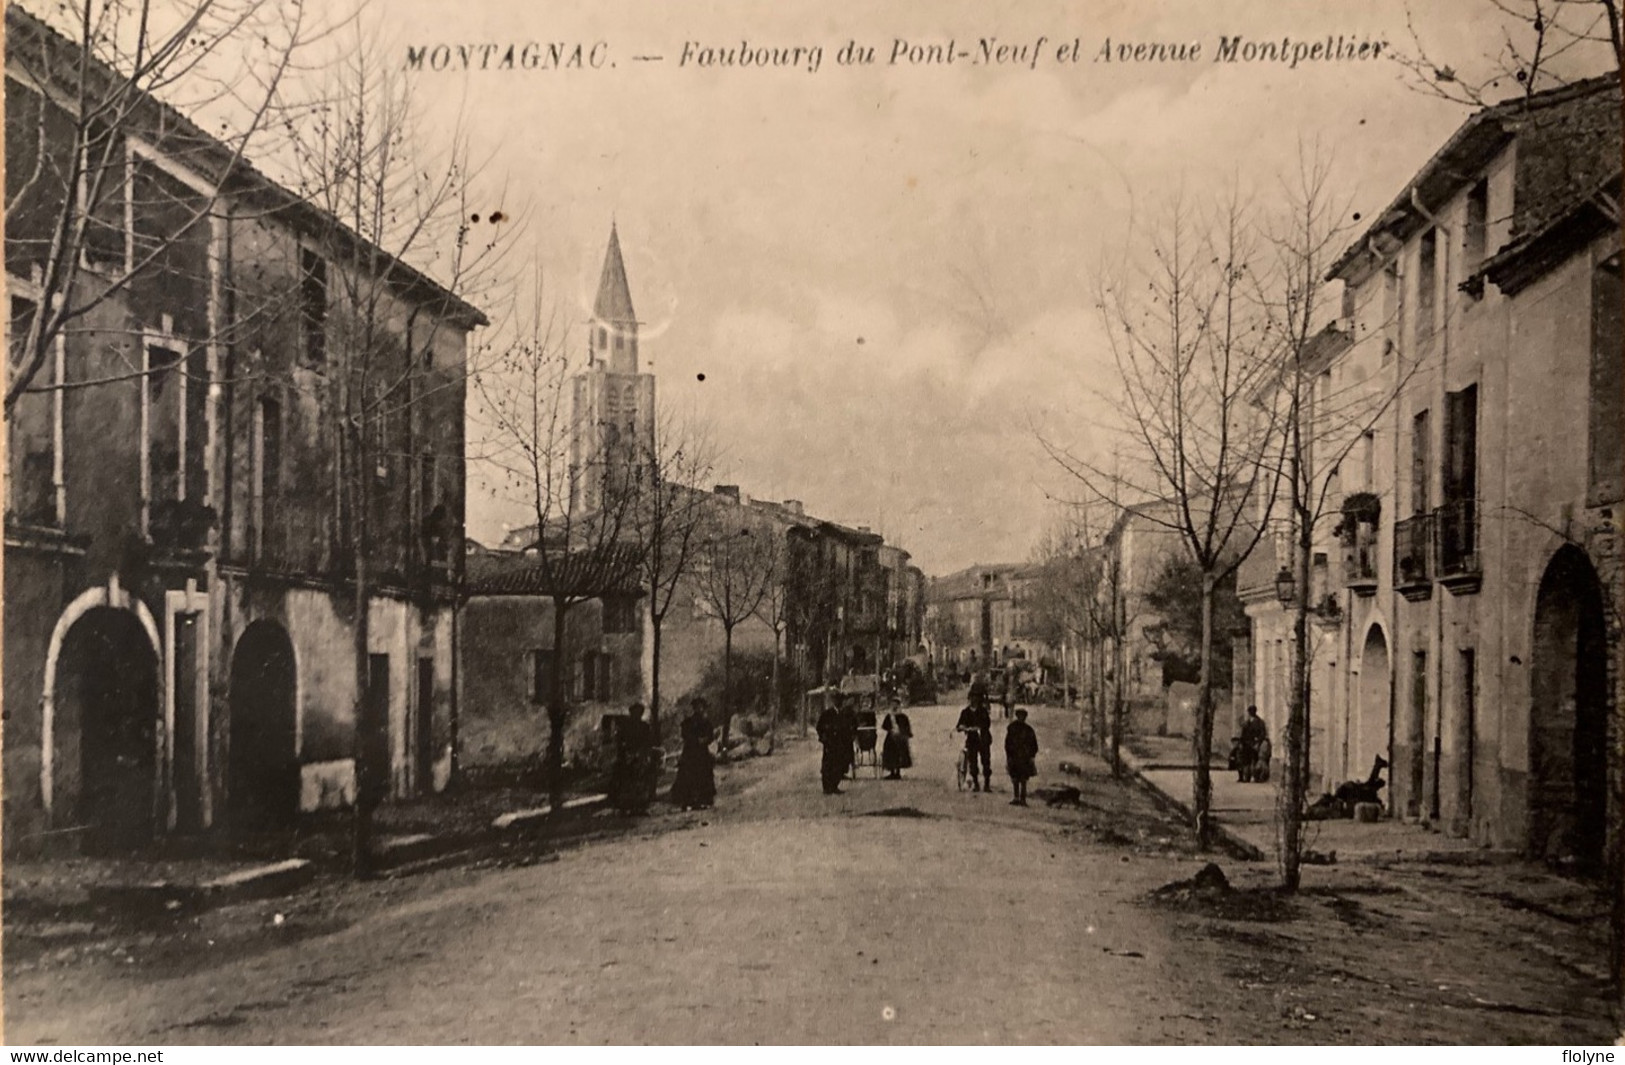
727,683
654,679
774,702
365,800
364,771
1202,734
1293,778
553,764
1120,663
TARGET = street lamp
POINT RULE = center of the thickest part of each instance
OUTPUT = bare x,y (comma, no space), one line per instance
1286,588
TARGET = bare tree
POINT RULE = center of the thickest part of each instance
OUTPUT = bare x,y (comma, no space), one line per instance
671,526
1319,429
1542,45
1191,350
90,213
577,552
739,565
775,612
379,328
1068,603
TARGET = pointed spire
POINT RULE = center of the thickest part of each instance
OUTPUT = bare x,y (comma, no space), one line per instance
614,303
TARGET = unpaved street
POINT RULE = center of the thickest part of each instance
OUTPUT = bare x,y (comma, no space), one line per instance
899,912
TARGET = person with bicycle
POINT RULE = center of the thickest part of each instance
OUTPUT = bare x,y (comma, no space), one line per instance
977,726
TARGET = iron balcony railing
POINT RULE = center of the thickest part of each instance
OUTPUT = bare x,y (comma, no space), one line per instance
1360,557
1413,550
1458,538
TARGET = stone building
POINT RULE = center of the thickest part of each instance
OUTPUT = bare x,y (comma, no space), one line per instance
179,608
1474,562
847,601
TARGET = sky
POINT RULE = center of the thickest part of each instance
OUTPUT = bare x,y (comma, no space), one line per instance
883,271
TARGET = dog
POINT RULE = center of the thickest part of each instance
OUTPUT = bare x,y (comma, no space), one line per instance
1057,795
1367,790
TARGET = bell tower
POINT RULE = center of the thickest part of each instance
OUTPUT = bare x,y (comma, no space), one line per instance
614,339
612,441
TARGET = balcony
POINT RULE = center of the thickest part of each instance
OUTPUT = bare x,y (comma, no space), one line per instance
1357,532
1459,567
1360,560
1413,557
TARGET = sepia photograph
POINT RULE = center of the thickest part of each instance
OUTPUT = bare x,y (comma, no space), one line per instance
813,523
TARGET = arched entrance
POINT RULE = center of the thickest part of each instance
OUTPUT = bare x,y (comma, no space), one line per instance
262,782
1568,716
105,690
1376,701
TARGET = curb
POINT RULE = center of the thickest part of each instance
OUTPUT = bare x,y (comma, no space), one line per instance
165,897
1228,840
531,817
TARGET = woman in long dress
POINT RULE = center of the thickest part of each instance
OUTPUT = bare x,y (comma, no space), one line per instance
894,753
695,787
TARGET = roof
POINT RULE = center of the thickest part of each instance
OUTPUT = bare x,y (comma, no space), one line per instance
167,128
614,302
1524,261
1571,137
580,574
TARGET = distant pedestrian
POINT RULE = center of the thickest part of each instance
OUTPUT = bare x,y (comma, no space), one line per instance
836,735
895,755
977,726
1020,756
633,778
696,785
1253,733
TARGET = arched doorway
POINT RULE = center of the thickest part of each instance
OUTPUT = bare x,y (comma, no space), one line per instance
1568,715
1376,705
262,782
106,690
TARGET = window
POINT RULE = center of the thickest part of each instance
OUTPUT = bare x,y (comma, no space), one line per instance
1461,444
541,675
194,425
267,466
33,432
1606,483
620,614
1475,235
1368,459
1420,450
1393,310
1427,278
163,388
313,305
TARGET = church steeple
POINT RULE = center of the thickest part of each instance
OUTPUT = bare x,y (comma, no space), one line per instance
614,332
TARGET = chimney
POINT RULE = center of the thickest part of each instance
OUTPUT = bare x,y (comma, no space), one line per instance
729,491
794,506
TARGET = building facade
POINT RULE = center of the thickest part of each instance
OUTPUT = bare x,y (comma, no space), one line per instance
179,601
1474,553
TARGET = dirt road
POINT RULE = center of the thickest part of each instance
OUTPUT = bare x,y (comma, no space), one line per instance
899,912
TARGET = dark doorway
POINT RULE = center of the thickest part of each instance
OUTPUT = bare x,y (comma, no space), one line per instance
423,735
187,780
1568,717
107,690
1415,730
373,774
262,785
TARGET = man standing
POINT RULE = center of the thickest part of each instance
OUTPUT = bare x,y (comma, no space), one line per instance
836,736
634,769
1020,756
1253,733
977,725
